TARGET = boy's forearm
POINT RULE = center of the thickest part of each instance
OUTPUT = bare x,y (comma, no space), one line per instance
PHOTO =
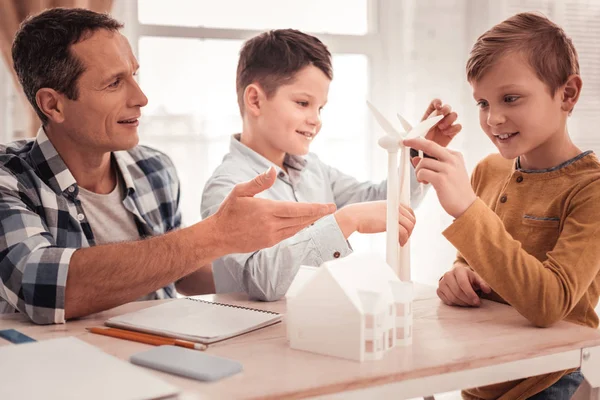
268,273
346,221
543,292
106,276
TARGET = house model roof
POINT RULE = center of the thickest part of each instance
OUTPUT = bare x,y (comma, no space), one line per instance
364,279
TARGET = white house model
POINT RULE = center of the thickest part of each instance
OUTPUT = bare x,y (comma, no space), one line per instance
354,308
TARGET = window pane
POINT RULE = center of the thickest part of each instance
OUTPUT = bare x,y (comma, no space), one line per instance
343,141
193,111
190,84
331,16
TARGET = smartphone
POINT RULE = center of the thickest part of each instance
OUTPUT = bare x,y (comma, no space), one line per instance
14,336
187,362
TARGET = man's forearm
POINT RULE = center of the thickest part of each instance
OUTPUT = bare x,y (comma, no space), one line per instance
106,276
198,282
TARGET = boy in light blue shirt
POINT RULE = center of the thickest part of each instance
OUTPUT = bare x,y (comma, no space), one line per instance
283,79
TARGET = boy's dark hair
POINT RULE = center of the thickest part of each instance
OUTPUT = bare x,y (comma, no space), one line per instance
41,50
546,46
272,59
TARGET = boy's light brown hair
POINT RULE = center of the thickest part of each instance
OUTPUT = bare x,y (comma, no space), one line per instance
545,45
273,58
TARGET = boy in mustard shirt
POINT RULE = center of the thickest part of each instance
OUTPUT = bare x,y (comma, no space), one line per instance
527,226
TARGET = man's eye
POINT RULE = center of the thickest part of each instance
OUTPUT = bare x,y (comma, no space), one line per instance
482,104
510,99
115,84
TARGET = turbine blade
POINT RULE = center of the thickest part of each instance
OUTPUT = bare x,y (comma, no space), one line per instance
423,127
383,122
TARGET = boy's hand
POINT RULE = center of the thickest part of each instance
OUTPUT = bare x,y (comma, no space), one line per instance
457,287
447,174
443,132
370,217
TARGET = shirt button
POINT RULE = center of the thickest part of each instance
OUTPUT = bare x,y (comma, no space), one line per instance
71,189
336,254
503,199
80,217
519,179
281,174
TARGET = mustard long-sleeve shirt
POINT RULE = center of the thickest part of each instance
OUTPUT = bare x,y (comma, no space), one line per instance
534,237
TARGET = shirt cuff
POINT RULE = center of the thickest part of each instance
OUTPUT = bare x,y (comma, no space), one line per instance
469,221
329,239
56,260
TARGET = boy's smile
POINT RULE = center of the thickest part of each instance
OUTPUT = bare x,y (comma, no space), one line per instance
518,112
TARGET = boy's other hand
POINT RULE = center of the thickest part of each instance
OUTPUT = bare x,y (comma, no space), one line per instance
457,287
443,132
447,173
245,223
371,217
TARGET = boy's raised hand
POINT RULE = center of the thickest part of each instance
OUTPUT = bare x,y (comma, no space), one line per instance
370,217
457,287
447,173
445,130
244,223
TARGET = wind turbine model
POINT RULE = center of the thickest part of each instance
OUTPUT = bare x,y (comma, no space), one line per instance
398,184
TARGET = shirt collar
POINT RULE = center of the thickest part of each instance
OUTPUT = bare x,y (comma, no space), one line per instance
259,163
53,170
124,162
517,164
49,164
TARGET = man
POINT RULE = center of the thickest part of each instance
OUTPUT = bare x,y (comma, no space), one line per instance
76,201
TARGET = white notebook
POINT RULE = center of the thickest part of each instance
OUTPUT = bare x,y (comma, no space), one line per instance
195,320
69,368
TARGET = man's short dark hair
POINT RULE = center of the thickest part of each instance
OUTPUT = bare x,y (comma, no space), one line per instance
273,58
41,50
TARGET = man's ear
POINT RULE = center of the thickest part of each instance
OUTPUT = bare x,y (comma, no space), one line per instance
570,92
254,97
51,103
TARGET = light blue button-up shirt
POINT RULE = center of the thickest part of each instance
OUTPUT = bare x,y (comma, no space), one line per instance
267,274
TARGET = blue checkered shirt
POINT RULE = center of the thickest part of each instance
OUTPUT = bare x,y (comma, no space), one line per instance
42,222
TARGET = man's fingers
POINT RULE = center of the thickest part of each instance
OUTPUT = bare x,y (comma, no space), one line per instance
290,222
256,185
290,209
429,147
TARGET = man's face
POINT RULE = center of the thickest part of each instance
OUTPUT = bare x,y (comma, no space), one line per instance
516,109
105,115
291,118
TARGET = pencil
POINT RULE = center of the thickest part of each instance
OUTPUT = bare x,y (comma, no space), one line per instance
146,338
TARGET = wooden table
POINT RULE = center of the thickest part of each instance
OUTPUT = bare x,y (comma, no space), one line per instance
453,348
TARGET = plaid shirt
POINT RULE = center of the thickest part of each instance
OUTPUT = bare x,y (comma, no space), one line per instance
42,222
